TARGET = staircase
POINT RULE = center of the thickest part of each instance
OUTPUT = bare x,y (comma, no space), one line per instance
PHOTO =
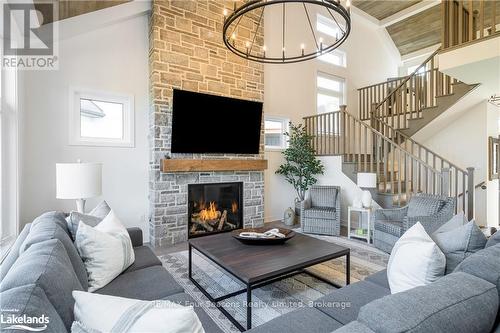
380,139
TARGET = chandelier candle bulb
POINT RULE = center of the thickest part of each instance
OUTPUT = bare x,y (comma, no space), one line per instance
253,10
224,12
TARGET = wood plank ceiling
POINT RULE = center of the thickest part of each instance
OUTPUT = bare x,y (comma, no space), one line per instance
71,8
411,34
418,31
381,9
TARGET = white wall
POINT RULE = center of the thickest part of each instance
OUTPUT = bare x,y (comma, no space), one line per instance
465,142
113,58
290,90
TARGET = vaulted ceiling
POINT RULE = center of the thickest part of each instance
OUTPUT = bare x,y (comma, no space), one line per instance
70,8
412,33
381,9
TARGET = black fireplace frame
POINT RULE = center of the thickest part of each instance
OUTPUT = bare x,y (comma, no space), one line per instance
240,208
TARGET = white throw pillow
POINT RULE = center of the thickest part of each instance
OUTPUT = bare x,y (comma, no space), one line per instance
106,250
415,261
105,313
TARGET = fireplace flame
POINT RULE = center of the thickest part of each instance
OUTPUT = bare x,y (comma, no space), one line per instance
234,207
209,213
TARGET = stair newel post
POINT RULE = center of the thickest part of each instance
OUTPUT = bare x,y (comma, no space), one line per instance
373,122
470,193
343,118
445,182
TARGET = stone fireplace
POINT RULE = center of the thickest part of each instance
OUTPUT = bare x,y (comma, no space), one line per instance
214,208
187,52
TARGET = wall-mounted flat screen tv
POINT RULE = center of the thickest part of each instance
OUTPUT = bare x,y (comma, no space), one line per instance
203,123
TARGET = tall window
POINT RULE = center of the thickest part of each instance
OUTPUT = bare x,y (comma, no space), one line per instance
329,30
8,160
330,93
274,129
335,57
327,26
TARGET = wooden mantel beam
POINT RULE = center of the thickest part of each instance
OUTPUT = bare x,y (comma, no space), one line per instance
190,165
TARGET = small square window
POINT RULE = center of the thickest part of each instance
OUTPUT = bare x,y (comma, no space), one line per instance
101,119
274,129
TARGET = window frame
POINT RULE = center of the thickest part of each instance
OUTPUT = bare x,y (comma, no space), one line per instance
285,127
322,19
9,159
328,92
75,138
341,53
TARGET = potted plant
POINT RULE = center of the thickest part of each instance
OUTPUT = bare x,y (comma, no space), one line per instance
301,165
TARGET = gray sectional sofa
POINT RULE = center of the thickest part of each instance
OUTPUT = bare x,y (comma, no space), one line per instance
43,268
464,301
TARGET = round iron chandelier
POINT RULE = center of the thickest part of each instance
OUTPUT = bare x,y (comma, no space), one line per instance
244,36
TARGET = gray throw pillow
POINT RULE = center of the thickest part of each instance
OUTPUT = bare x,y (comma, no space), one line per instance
74,219
459,243
494,239
92,219
456,221
101,210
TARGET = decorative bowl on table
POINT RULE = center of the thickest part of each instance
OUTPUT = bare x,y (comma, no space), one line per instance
272,240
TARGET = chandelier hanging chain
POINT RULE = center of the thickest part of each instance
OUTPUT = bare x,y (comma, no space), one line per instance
333,17
256,30
310,26
246,49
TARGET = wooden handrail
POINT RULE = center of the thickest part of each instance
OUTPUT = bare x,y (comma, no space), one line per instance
401,171
408,78
462,24
481,185
380,83
374,93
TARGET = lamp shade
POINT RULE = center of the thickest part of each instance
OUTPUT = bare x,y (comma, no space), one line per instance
367,180
78,180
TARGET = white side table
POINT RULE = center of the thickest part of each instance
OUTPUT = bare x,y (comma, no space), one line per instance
365,226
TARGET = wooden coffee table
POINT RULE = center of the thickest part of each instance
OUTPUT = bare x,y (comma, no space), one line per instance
259,265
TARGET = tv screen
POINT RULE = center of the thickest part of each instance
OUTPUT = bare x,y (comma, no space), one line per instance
203,123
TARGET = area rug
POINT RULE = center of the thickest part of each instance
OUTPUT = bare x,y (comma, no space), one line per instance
275,299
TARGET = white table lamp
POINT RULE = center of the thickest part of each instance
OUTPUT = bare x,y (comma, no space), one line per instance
78,181
367,180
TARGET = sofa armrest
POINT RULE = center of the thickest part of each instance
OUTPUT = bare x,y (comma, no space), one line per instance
304,204
135,236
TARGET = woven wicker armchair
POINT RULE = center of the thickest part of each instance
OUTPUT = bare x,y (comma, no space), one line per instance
431,211
320,211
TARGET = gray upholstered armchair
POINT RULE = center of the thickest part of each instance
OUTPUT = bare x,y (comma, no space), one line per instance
320,211
431,211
